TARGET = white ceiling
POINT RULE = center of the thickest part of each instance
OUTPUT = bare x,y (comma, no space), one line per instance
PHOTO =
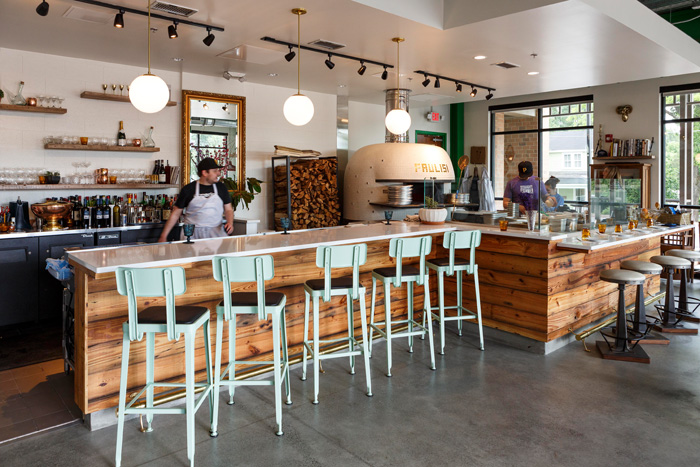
578,42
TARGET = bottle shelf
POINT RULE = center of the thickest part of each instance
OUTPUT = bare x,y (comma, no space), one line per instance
622,159
100,147
113,97
29,108
92,186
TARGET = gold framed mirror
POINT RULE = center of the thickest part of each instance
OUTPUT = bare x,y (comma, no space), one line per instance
213,125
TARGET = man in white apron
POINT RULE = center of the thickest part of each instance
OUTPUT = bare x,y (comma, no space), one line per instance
204,202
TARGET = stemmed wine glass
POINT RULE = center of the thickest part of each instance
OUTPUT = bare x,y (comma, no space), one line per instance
121,89
188,230
104,88
388,215
285,224
114,89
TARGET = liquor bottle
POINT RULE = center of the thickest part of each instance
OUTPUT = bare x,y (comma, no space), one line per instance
167,172
167,209
98,213
161,173
121,136
77,212
107,213
116,214
156,169
86,214
148,142
19,99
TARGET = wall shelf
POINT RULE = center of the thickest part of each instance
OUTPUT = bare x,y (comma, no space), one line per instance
29,108
92,186
113,97
622,159
100,147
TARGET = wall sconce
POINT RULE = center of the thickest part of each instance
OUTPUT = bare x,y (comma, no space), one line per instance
625,111
510,153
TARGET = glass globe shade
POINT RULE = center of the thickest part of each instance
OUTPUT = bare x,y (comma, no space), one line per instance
298,109
149,93
398,121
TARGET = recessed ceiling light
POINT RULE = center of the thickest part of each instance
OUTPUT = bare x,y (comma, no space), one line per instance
178,59
533,73
480,57
272,75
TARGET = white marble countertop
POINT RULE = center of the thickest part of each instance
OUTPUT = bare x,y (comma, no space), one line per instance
102,260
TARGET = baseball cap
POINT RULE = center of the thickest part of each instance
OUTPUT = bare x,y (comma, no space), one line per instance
208,163
525,169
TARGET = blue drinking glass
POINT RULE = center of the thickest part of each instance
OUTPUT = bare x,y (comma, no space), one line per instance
388,215
285,224
188,230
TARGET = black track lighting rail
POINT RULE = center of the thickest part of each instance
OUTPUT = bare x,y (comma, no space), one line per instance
325,52
456,81
153,15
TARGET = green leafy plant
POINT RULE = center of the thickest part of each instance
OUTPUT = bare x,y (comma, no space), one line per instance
52,174
2,94
430,203
245,196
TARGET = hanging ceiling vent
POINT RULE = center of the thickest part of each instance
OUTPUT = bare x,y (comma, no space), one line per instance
329,45
173,9
506,65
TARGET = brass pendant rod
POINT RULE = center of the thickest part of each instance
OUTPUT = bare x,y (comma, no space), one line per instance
299,49
148,31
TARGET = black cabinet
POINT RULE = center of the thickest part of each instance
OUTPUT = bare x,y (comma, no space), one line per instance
50,289
19,268
149,235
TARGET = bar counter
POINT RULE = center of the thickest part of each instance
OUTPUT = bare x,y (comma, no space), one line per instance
529,287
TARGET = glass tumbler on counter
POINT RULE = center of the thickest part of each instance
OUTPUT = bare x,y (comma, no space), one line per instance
503,224
585,233
602,227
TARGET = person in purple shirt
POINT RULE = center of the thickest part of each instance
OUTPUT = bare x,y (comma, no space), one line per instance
523,190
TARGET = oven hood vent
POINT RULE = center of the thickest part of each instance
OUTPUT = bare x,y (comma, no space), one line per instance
173,9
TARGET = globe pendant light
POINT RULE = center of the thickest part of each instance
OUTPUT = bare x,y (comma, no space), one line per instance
298,109
149,93
398,121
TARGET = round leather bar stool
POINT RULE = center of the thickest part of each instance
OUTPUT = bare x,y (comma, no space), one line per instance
683,299
620,348
639,324
670,317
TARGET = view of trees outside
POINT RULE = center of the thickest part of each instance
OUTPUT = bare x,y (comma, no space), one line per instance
682,149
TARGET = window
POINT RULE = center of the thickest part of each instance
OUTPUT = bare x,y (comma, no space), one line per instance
556,136
680,148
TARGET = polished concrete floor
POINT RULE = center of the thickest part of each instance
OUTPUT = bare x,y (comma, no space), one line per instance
500,407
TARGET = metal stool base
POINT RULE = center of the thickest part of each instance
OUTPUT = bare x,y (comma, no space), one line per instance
653,338
636,354
677,328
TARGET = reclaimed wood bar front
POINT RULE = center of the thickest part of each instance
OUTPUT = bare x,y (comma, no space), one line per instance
534,285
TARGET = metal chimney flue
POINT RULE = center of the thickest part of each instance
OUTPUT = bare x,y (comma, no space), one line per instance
396,99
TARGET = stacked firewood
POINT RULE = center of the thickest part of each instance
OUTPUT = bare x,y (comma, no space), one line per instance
314,192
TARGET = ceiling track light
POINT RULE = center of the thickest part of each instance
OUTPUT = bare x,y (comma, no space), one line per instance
290,56
119,19
172,30
458,83
385,74
209,39
329,62
43,8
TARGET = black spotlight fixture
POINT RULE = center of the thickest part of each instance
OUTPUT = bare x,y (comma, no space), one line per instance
473,93
172,30
209,39
437,82
290,56
119,19
459,87
362,69
489,95
426,81
385,74
329,62
43,8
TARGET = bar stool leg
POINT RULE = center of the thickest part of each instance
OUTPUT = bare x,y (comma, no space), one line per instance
683,295
122,394
316,350
639,311
277,371
207,357
670,302
387,321
365,344
189,394
441,306
306,336
351,332
459,302
150,362
409,291
371,327
217,373
621,326
621,350
231,356
285,356
429,329
478,307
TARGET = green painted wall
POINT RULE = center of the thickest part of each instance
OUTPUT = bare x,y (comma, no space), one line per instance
457,149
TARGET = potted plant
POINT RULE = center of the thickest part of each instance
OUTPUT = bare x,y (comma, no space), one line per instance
432,213
2,94
51,178
245,196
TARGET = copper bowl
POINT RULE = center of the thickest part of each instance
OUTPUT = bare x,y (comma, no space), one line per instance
52,212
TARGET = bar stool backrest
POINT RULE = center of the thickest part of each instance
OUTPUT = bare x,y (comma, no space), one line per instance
152,282
411,247
256,269
459,240
341,256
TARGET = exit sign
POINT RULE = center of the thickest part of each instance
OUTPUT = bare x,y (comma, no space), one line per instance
433,116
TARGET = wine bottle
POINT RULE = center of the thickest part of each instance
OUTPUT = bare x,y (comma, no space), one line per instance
86,214
161,173
98,213
156,170
121,136
167,173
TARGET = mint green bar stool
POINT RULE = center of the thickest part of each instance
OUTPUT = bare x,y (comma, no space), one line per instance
401,248
258,269
462,240
169,319
328,258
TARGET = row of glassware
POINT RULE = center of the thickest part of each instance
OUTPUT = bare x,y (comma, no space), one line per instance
91,140
30,176
52,102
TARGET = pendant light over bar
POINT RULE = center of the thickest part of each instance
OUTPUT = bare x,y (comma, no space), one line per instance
290,56
398,121
458,83
298,109
149,93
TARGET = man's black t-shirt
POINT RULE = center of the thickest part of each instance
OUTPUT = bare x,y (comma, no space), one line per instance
187,193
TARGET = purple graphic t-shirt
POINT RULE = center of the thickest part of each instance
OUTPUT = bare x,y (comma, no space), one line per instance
518,189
